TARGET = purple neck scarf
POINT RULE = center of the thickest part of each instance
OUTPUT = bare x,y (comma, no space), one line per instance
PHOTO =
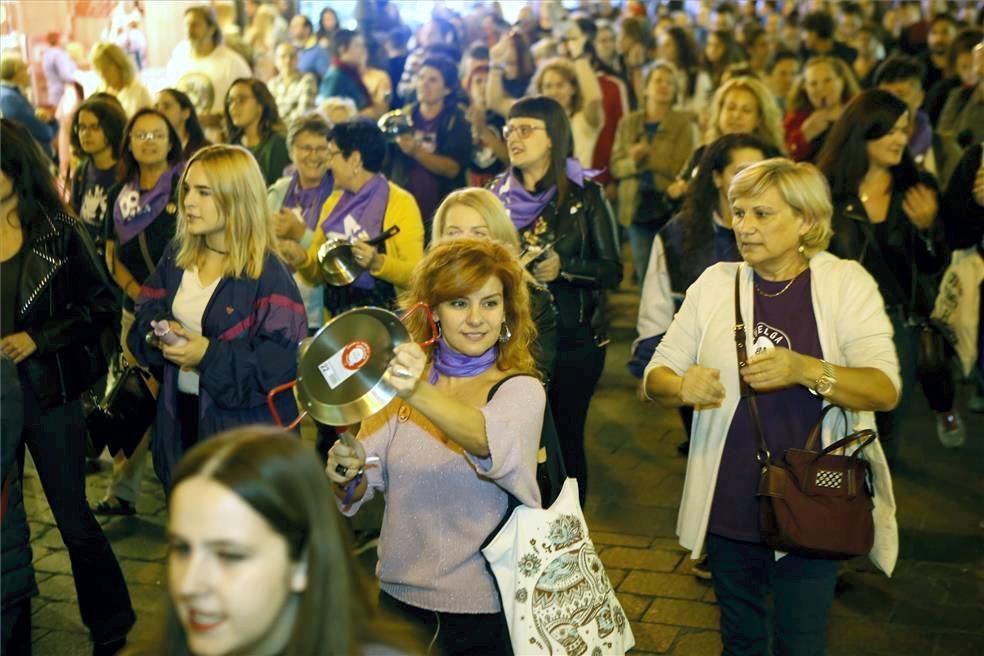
525,206
308,201
359,216
452,364
135,209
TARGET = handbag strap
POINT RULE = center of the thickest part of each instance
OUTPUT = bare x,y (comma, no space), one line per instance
762,455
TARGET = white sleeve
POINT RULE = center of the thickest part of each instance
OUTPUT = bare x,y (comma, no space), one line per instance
678,348
656,300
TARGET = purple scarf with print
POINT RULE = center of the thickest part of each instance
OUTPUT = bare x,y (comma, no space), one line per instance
525,206
359,216
452,364
308,202
135,208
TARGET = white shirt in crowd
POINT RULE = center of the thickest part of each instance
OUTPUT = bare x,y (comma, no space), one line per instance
189,309
206,79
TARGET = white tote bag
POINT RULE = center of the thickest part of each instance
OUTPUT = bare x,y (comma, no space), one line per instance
555,593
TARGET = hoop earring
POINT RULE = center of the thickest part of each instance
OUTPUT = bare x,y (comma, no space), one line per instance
505,334
437,322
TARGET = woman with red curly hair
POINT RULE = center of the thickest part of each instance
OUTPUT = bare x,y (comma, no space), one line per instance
461,436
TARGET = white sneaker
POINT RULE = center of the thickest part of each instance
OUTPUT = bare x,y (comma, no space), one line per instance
950,429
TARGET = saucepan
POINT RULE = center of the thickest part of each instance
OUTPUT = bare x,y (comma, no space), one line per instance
340,370
337,262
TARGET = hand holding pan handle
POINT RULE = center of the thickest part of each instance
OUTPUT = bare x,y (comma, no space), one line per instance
289,385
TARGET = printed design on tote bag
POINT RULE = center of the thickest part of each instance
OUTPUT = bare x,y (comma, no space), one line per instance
572,591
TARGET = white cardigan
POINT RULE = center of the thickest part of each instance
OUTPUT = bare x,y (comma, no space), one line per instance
854,331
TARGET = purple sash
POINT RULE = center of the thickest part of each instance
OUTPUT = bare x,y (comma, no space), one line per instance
359,216
452,364
525,206
136,209
308,201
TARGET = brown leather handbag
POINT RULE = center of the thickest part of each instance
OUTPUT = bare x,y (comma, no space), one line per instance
812,503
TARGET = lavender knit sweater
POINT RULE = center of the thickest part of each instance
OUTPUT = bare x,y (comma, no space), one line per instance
442,503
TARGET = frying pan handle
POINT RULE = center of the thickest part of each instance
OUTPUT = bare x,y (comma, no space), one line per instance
273,406
430,318
392,231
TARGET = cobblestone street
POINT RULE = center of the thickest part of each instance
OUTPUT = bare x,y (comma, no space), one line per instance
932,606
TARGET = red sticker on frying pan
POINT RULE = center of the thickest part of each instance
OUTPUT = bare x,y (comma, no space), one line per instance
355,355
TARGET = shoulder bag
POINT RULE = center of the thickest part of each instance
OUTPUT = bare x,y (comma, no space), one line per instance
119,418
811,502
555,592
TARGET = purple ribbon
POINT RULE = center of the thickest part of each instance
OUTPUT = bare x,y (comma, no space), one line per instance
525,206
310,201
135,209
452,364
367,207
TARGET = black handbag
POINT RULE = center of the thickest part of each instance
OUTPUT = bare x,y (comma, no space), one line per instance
120,418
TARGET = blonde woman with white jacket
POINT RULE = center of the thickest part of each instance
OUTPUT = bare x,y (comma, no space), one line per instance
818,335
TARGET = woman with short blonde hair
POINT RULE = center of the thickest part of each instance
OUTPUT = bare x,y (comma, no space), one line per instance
806,193
119,77
498,226
232,315
818,336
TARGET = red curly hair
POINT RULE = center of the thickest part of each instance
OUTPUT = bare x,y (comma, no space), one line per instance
457,267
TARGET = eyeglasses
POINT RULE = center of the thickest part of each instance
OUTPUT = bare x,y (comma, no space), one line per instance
314,150
150,136
524,131
331,153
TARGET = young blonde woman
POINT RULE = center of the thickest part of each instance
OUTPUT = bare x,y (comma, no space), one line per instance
223,288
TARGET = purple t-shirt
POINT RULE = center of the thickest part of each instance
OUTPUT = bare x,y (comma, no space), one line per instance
425,185
788,415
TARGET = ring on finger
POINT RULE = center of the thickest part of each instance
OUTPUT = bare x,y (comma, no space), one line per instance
341,469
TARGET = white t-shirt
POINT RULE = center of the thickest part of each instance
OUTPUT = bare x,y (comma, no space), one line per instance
206,79
585,138
189,309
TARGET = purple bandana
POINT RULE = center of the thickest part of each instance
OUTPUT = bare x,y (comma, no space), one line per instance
524,206
135,209
452,364
308,201
359,216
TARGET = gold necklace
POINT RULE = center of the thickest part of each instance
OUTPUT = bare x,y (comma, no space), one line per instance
781,291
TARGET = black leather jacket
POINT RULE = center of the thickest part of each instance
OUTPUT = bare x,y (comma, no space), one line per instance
905,262
583,231
65,304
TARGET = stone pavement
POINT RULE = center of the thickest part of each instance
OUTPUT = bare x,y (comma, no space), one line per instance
932,606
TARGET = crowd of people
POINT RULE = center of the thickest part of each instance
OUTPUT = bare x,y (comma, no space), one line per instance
820,161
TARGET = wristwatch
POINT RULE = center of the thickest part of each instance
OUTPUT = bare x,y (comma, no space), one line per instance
824,385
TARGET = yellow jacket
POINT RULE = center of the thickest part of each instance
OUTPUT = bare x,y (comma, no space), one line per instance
403,251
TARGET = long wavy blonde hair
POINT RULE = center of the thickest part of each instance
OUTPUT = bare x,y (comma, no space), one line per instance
768,128
240,198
